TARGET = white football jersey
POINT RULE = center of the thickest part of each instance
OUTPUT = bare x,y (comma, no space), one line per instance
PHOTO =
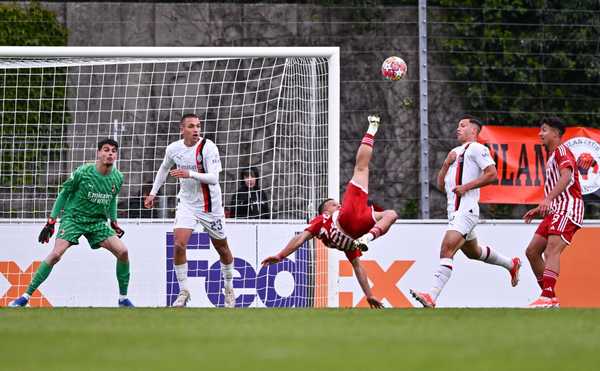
203,157
471,159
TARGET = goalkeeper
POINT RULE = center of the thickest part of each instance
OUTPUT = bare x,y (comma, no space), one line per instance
87,199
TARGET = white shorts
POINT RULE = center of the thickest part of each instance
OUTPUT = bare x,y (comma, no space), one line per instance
464,223
188,218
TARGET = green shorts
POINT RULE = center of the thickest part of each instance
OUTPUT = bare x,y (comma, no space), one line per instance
95,232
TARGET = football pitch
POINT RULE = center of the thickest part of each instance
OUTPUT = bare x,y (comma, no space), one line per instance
299,339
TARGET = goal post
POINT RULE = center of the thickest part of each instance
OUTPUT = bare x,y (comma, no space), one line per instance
273,109
257,104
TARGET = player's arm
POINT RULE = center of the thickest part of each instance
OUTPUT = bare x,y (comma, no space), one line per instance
293,245
481,155
211,163
112,212
441,183
489,176
161,178
361,276
566,174
68,187
206,178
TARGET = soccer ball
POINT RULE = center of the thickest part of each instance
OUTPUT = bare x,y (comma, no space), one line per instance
393,68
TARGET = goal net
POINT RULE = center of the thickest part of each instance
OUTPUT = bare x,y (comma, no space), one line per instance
270,115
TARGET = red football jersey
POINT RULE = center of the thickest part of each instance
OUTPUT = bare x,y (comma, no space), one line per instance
323,227
570,201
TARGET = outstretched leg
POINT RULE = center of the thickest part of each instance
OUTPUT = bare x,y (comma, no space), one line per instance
43,271
363,156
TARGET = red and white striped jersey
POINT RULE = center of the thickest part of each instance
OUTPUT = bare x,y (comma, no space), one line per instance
324,228
570,201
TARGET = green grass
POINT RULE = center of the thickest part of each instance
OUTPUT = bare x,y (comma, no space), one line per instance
298,339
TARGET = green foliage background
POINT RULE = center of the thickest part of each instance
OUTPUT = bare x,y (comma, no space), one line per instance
522,59
33,106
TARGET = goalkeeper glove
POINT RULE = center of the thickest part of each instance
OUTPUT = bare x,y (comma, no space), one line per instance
120,233
47,231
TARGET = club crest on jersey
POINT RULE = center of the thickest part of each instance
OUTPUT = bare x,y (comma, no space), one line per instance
587,155
114,189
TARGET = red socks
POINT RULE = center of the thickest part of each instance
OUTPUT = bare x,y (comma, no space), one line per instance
549,281
368,139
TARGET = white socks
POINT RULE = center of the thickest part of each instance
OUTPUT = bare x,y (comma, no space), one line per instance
181,271
227,273
441,276
492,257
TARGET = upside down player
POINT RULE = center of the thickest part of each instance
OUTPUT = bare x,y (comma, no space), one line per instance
89,198
351,226
467,168
562,209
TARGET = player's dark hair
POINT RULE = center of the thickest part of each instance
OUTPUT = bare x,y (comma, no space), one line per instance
473,120
108,141
187,116
554,122
322,205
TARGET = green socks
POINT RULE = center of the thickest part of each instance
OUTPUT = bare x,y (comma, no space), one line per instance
40,276
123,276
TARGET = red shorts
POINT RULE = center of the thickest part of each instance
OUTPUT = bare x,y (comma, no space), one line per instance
559,225
356,216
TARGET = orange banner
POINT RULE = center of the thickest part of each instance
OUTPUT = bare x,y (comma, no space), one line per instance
521,162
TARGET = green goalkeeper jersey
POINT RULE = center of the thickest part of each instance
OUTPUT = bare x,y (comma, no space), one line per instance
88,196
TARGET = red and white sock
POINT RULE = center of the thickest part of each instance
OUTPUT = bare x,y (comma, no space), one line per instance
549,279
490,256
440,277
368,139
374,233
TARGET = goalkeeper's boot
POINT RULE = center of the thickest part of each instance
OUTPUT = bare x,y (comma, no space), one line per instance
361,243
424,298
514,272
544,302
126,303
21,301
182,299
229,298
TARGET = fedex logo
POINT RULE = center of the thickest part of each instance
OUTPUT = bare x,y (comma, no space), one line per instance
260,283
19,280
383,283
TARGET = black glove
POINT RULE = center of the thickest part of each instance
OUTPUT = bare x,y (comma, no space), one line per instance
47,231
120,233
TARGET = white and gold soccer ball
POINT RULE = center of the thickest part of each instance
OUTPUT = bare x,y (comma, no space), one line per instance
393,68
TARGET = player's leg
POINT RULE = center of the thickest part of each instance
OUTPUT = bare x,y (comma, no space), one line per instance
43,271
181,237
119,250
360,175
226,258
534,253
490,256
452,242
384,220
214,224
554,248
